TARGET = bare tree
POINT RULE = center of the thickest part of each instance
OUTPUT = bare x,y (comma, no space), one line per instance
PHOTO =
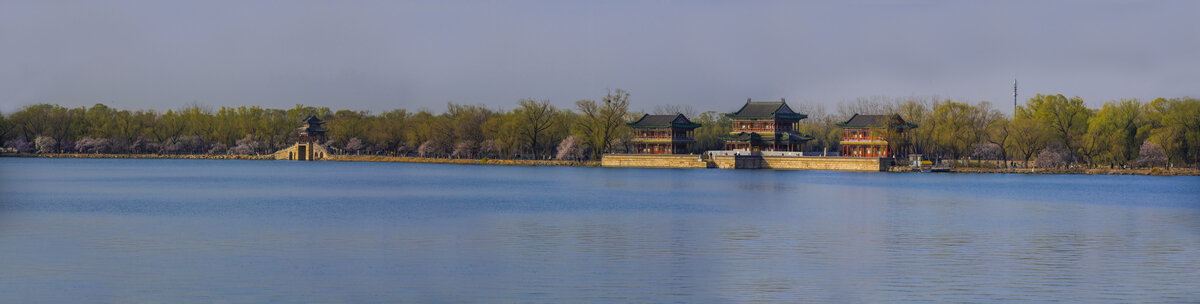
686,110
536,119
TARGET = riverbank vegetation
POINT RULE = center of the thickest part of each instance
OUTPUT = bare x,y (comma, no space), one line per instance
1052,131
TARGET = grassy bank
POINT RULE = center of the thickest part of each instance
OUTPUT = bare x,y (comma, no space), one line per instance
501,162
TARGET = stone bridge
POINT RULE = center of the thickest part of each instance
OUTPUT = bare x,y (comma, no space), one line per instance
303,151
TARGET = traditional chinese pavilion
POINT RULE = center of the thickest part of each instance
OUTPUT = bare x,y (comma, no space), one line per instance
766,126
663,134
872,136
311,130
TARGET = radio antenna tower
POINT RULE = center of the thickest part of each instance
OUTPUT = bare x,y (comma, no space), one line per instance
1014,98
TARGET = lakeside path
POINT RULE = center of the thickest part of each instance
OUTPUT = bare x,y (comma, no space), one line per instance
525,162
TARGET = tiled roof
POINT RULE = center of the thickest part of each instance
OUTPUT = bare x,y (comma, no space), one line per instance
312,119
675,120
764,109
868,120
861,120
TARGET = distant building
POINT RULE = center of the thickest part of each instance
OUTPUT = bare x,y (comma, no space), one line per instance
311,130
663,134
875,136
766,126
308,147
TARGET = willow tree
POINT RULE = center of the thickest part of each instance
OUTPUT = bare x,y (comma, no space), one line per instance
602,122
1116,129
1066,118
1177,131
715,126
953,130
1026,137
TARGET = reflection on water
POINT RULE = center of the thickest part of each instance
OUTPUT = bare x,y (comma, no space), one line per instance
79,230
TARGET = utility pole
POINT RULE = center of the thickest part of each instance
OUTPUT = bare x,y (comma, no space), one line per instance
1014,98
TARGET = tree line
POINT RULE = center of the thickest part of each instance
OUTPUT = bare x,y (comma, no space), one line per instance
1049,130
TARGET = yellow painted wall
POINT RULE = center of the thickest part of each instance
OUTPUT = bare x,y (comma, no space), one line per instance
653,161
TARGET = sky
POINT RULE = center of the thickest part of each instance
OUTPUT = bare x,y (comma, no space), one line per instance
712,55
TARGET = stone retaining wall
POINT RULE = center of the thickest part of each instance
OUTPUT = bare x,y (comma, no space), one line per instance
653,161
873,164
801,163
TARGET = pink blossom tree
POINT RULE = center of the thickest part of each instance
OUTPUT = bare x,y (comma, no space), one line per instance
1151,155
1053,156
355,145
568,149
463,149
45,144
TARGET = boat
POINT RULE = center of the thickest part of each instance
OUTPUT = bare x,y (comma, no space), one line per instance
939,167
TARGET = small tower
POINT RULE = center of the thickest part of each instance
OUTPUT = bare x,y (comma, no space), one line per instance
1014,97
311,131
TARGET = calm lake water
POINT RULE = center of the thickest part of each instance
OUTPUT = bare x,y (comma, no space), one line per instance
112,230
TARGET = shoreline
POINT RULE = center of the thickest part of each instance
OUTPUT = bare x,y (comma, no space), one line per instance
461,161
560,163
1094,171
141,156
341,158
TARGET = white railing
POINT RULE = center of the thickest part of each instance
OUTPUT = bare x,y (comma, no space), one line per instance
742,152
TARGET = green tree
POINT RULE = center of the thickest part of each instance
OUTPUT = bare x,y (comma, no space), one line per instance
347,124
6,128
713,128
954,128
602,122
1178,120
1027,137
917,112
1066,118
1117,128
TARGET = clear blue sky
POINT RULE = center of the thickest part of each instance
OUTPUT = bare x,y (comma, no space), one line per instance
379,55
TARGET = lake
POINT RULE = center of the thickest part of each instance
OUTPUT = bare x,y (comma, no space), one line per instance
123,230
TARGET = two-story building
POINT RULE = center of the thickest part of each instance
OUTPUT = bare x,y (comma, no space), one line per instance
875,136
766,126
663,134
